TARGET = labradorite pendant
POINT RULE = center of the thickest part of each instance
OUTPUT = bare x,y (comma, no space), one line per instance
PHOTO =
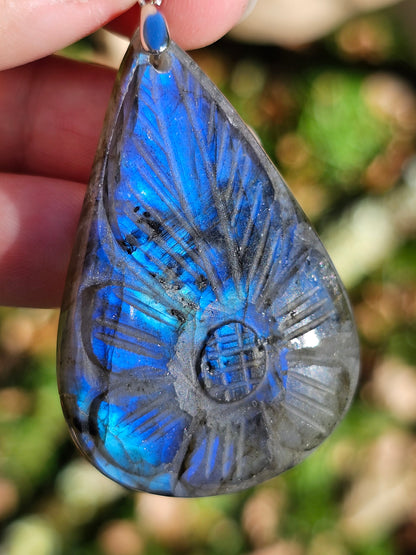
206,341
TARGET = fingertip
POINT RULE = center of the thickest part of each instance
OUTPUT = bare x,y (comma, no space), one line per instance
32,30
196,24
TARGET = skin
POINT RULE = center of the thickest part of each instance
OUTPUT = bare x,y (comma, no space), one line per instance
51,114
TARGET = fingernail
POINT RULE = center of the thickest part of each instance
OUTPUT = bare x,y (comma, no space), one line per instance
248,9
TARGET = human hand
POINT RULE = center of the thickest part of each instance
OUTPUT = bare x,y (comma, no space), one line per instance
51,114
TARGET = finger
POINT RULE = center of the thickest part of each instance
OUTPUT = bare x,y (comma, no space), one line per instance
30,29
51,115
38,219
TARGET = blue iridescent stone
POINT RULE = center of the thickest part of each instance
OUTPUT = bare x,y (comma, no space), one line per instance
206,341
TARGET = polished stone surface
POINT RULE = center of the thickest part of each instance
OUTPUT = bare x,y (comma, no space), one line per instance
206,342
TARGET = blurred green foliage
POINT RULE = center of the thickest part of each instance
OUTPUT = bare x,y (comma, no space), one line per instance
335,107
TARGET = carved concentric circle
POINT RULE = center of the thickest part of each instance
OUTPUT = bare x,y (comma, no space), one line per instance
232,362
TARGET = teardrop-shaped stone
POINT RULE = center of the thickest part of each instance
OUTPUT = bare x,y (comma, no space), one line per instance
206,341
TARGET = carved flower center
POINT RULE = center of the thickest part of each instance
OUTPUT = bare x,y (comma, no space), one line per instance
232,363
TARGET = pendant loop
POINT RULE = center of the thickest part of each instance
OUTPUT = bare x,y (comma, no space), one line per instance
154,34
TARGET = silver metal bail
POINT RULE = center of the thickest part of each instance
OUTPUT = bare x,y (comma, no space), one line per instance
151,2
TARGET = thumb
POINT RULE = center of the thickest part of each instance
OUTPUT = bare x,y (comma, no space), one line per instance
31,29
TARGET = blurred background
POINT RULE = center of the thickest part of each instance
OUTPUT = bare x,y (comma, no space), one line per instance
329,87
